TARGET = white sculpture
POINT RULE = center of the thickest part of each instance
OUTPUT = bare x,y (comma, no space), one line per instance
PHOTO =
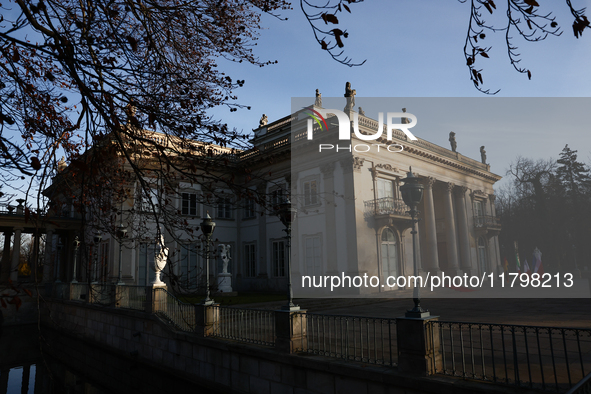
225,256
160,261
224,277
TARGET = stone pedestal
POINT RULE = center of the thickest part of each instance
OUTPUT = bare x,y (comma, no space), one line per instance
224,282
290,331
155,300
207,319
418,345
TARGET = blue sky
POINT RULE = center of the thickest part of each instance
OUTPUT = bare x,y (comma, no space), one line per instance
415,49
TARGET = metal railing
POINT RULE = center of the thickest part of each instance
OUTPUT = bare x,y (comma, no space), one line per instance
245,325
132,297
385,206
583,387
176,312
61,291
365,339
487,221
547,358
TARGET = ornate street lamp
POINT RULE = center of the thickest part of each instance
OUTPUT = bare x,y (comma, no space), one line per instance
207,227
287,215
412,194
121,233
97,241
76,245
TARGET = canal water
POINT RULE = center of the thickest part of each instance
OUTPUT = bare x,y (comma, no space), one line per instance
47,362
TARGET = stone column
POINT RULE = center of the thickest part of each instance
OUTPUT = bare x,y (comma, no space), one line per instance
5,267
47,258
418,343
262,244
430,259
330,217
16,253
350,165
290,331
450,230
463,231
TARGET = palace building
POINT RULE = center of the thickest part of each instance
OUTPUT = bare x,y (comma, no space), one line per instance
351,219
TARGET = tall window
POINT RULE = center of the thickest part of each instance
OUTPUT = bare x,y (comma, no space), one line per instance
311,192
149,199
146,273
482,260
277,197
478,213
385,188
189,204
189,268
224,209
389,253
250,259
278,258
249,209
313,256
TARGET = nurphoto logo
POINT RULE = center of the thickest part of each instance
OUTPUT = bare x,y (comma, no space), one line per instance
318,115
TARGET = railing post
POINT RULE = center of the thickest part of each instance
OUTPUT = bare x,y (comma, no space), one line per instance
207,319
290,331
418,345
155,299
121,296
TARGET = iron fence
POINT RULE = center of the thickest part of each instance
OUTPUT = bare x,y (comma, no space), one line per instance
176,312
386,205
245,325
550,358
365,339
583,387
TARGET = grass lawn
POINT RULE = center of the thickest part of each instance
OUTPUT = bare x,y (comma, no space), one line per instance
241,298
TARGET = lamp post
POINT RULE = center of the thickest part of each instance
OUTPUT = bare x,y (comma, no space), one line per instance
97,241
287,215
207,227
412,194
121,232
76,245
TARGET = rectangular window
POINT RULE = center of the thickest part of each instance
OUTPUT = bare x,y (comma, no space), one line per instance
310,192
277,197
478,213
189,268
189,204
104,266
278,258
385,188
149,200
249,209
224,209
146,271
313,256
250,255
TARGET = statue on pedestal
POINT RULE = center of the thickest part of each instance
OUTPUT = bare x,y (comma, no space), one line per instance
482,154
224,277
452,141
350,96
318,101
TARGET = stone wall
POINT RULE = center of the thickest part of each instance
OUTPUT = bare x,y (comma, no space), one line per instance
226,366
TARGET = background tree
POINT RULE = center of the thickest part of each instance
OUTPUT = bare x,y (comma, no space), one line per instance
547,206
525,19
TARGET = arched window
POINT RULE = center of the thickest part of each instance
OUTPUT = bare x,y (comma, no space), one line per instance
482,260
389,253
